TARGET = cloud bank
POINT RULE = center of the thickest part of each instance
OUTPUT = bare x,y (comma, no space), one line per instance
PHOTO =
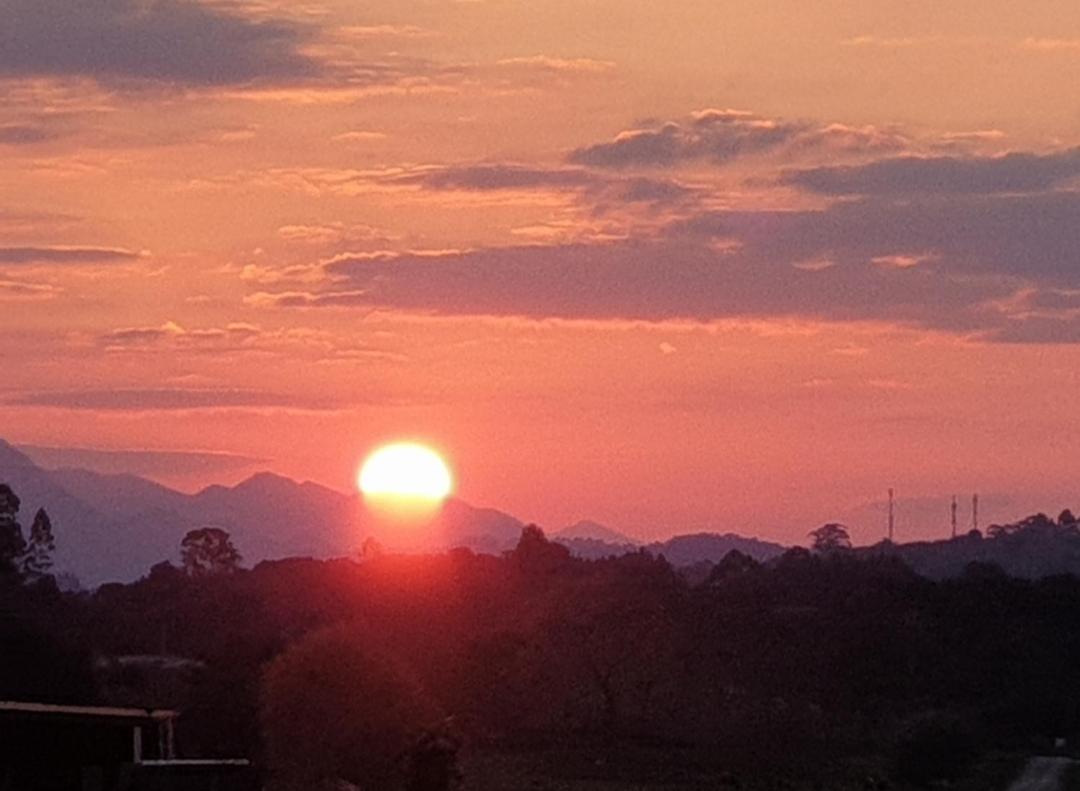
182,42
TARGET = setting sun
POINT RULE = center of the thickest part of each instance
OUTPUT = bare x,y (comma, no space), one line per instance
405,473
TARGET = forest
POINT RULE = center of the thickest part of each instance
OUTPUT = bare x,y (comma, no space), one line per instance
825,668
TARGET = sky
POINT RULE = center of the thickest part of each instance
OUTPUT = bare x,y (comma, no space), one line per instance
696,265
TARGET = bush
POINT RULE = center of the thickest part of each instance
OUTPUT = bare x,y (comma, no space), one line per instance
934,746
335,709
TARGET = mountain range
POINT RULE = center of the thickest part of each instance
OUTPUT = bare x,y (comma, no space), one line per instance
114,527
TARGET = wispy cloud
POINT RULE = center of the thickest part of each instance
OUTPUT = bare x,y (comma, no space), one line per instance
721,136
140,462
62,254
1016,172
560,65
23,290
1052,44
24,134
168,400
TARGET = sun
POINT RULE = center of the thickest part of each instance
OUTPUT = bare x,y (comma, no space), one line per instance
405,477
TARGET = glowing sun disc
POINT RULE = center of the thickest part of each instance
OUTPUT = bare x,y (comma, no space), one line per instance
406,471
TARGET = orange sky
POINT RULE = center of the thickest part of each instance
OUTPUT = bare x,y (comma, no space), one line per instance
694,265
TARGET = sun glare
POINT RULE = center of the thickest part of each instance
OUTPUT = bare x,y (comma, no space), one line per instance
405,477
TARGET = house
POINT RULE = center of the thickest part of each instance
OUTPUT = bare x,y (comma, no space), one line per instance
46,747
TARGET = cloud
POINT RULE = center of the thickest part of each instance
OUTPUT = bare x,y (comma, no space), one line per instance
386,31
560,65
1051,44
1029,237
308,299
1016,172
147,463
1042,315
334,233
233,336
166,400
667,279
1038,329
21,290
181,42
497,176
59,254
23,135
721,136
359,137
896,42
238,338
603,190
953,263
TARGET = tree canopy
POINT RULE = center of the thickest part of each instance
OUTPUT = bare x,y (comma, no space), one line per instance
208,550
830,538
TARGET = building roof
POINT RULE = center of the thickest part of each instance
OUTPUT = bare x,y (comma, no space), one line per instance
91,712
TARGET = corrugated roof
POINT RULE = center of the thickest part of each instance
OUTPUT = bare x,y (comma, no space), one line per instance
105,712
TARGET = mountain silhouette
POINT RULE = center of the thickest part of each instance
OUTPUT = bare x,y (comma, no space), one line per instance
712,547
115,527
592,531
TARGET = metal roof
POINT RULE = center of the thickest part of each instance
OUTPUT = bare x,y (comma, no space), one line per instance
104,712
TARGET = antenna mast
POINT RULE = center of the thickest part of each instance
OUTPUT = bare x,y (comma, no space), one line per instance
975,511
892,516
954,516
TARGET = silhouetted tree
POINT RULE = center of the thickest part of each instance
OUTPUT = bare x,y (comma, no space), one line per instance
164,572
37,560
12,542
830,538
433,762
536,555
1036,523
1067,519
208,550
335,708
734,564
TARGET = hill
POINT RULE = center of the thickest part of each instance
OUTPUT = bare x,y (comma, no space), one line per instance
592,531
115,527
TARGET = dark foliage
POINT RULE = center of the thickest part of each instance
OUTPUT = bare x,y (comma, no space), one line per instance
792,667
38,666
208,550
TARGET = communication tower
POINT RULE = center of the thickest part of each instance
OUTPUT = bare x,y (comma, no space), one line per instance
892,515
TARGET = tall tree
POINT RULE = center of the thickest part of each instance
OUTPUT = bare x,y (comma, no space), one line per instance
830,538
12,542
208,550
37,560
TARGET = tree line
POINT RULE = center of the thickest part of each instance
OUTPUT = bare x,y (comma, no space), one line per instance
825,666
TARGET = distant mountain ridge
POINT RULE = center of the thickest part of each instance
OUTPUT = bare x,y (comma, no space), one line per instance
588,530
113,527
1036,551
116,526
